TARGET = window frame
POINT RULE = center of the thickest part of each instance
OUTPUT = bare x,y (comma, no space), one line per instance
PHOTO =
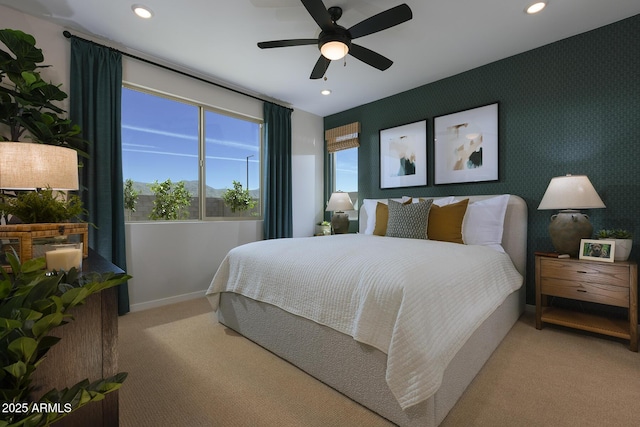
202,109
355,213
202,163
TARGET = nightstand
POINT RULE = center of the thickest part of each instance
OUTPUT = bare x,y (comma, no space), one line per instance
614,284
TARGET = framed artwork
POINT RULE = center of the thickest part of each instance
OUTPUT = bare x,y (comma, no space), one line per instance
466,146
597,250
403,155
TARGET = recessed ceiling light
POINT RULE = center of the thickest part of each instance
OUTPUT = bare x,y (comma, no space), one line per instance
142,11
535,7
326,92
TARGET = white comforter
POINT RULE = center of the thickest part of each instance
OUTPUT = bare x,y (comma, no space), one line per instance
418,301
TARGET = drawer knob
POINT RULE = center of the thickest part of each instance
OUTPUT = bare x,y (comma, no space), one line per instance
581,290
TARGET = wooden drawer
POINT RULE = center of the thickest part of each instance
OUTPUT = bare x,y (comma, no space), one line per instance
591,272
613,284
586,291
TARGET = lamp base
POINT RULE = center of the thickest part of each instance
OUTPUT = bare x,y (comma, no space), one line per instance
340,223
567,228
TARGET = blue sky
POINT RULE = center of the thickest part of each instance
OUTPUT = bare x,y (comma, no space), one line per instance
160,141
347,170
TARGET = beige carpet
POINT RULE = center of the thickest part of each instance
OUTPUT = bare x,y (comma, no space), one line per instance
186,370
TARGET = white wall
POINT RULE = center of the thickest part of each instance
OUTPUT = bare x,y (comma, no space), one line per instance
175,261
307,135
172,261
49,38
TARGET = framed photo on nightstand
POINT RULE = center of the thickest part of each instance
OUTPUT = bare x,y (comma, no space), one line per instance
597,250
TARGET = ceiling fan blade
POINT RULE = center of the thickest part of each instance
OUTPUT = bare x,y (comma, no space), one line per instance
319,13
320,68
370,57
382,21
287,43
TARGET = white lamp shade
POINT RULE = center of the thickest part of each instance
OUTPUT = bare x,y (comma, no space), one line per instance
571,192
339,202
334,50
30,166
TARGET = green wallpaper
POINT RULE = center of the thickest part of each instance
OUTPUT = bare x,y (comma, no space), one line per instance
569,107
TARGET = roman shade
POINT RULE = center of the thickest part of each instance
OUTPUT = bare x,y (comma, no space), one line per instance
342,137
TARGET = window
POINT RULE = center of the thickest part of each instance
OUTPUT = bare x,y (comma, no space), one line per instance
232,153
162,141
342,144
346,176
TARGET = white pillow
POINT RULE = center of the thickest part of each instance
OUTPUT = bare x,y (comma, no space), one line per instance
444,201
483,222
369,205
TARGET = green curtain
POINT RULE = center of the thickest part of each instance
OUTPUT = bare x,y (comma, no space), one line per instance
95,96
277,198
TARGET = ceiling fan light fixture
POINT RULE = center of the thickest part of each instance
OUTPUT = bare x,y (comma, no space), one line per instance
536,7
142,11
334,50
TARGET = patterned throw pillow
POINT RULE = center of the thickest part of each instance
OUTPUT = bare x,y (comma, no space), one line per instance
382,216
408,221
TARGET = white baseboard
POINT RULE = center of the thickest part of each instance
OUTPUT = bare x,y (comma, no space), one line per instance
166,301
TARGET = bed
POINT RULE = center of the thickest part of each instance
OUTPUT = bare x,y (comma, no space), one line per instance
324,315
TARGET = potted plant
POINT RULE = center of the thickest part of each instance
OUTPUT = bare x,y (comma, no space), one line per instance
41,217
237,198
27,102
623,241
32,304
44,206
29,110
323,228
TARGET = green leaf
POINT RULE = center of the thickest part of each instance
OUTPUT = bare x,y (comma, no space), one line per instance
17,370
5,288
14,262
34,264
28,314
44,325
23,348
74,297
44,345
8,325
29,77
34,420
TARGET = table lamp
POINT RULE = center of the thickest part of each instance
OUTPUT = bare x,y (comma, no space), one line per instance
26,166
568,194
338,203
33,166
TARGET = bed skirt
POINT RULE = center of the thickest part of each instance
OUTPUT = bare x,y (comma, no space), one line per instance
358,370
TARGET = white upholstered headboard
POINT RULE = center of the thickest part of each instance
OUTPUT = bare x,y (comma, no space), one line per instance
514,236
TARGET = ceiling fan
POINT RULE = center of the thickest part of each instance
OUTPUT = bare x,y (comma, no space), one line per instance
334,41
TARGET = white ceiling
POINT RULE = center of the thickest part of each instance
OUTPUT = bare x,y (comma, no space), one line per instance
218,39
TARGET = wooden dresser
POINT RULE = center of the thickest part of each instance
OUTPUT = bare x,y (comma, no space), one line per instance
88,350
613,284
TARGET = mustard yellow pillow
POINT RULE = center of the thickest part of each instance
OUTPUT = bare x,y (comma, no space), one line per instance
382,217
445,222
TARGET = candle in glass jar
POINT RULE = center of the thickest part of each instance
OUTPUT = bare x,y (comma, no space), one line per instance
64,259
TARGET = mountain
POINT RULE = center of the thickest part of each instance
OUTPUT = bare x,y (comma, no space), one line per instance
144,189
